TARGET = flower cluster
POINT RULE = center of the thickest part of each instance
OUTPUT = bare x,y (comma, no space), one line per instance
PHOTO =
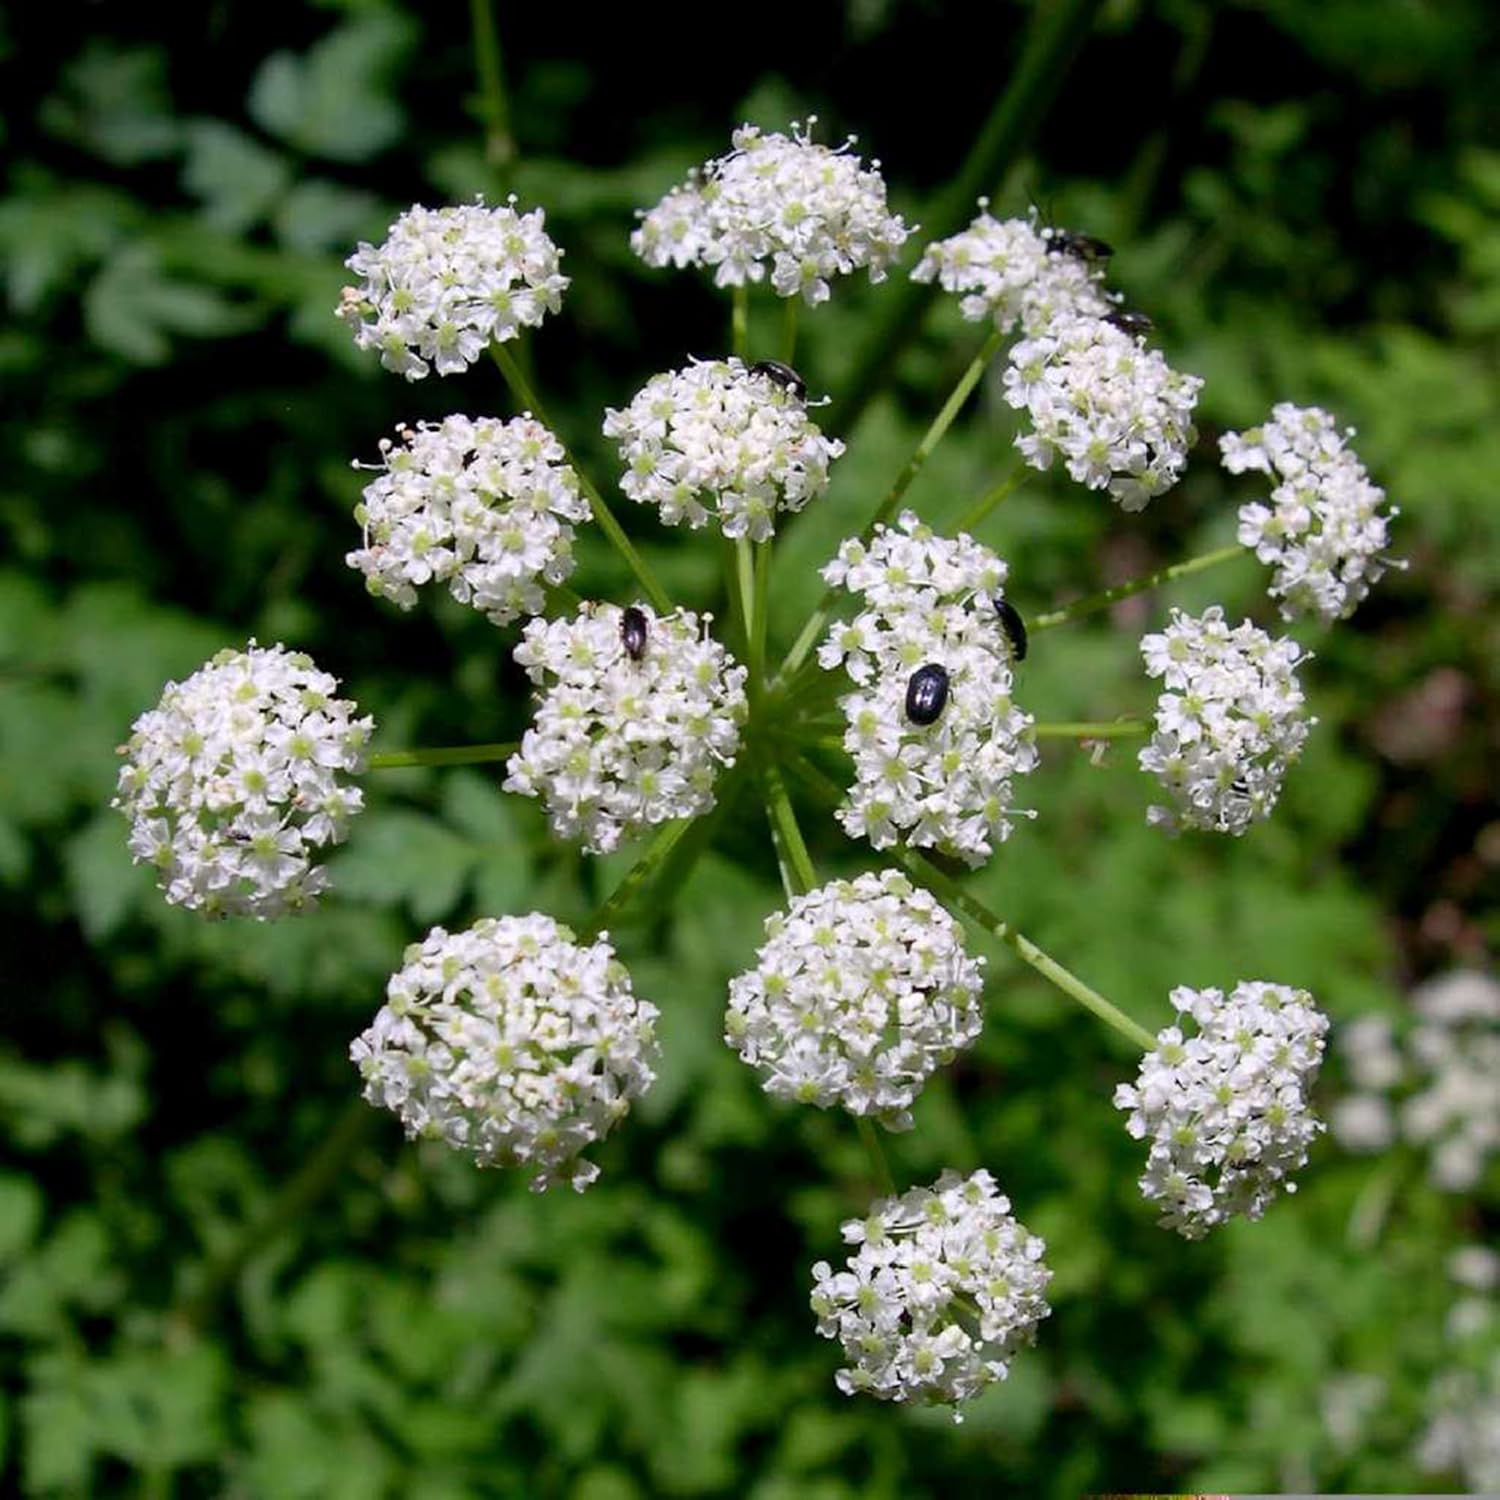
1002,269
860,993
625,740
928,601
479,504
1227,1111
1228,723
512,1043
804,211
944,1289
447,282
237,777
719,439
1324,530
1444,1069
1116,412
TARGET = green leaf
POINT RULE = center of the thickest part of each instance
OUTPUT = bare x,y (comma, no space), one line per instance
238,180
133,307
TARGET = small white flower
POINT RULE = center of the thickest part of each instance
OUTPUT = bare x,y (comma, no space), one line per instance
620,743
448,282
479,504
719,440
929,601
1228,724
779,204
860,993
1115,412
1324,532
237,777
944,1289
1226,1111
1003,270
512,1043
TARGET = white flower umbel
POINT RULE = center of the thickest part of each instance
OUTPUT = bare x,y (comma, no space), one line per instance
1227,1110
1114,411
718,440
1228,724
1001,269
928,600
1324,531
942,1291
482,505
236,779
448,282
777,204
512,1043
620,743
860,993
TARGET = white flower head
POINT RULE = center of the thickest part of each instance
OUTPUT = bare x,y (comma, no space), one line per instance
944,1288
860,993
777,204
723,440
929,602
1003,269
1114,411
1229,721
1227,1111
512,1043
448,282
623,740
482,505
237,777
1325,531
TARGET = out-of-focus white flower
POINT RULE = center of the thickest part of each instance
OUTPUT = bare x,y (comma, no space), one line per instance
1227,1111
777,204
479,504
860,993
621,742
1229,721
237,777
944,1288
929,601
1324,531
1115,412
720,440
448,282
1002,269
512,1043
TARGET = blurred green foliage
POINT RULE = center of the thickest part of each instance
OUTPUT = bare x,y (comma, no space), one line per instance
1301,198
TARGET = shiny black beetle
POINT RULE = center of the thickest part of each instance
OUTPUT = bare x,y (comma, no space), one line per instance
1084,246
633,632
927,694
1013,626
783,375
1127,320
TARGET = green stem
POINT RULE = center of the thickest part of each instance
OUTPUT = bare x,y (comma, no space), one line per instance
1107,729
784,820
744,571
870,1140
1102,600
991,498
924,450
739,322
499,143
448,755
521,389
789,329
763,554
644,869
1055,34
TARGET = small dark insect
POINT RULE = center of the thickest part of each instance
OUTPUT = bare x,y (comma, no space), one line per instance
1013,626
784,376
633,632
1084,246
927,694
1127,320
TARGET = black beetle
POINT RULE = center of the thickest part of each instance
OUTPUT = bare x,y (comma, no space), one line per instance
927,694
1013,626
1127,320
1084,246
633,632
783,375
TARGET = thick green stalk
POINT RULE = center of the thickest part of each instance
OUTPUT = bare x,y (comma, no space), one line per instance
870,1140
1102,600
745,568
991,498
784,820
739,322
637,876
521,389
1056,33
499,143
448,755
789,329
